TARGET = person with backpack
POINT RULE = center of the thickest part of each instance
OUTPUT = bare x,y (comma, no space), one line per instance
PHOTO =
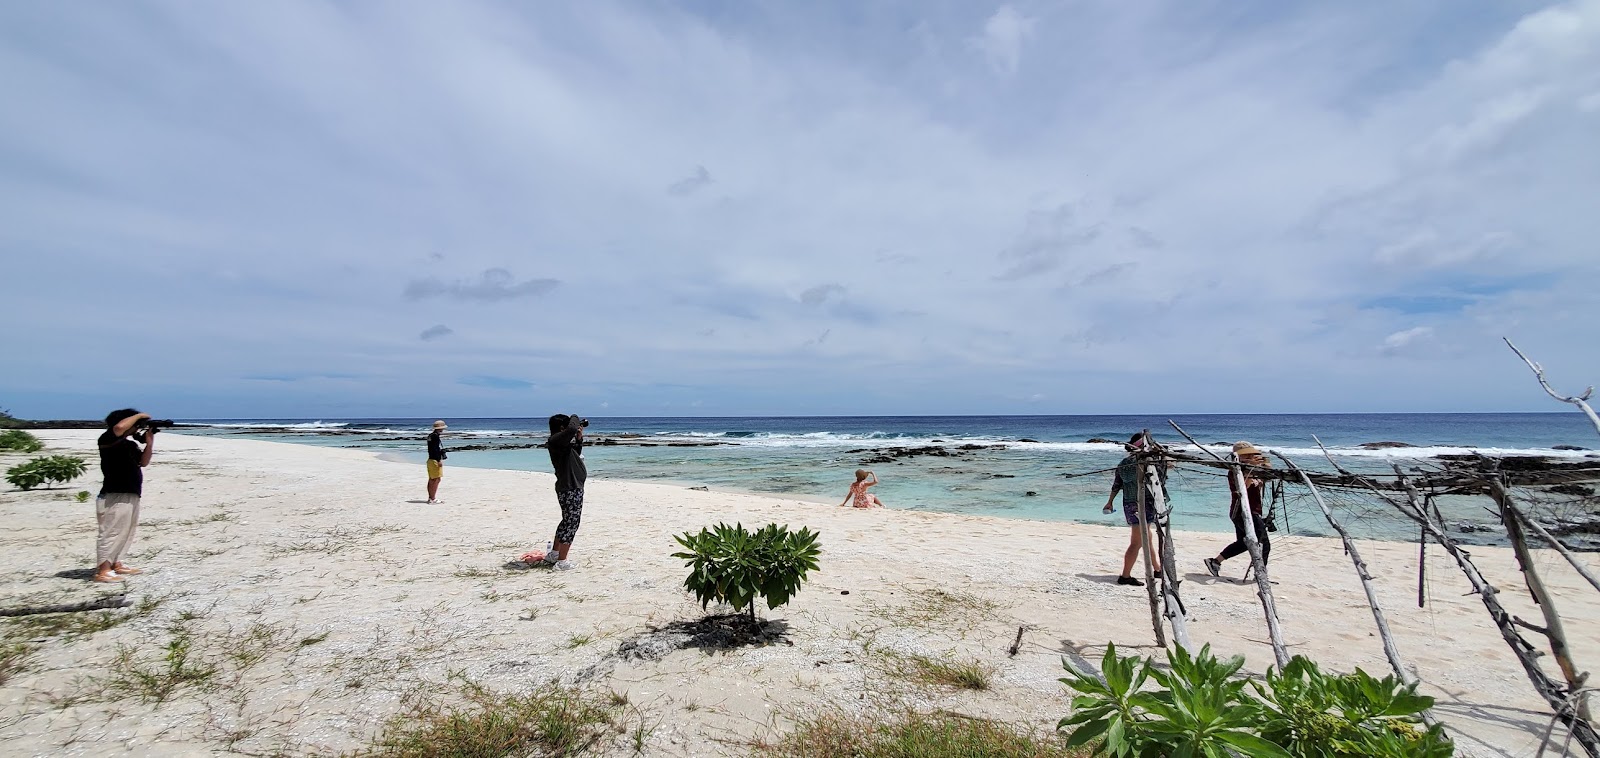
1254,488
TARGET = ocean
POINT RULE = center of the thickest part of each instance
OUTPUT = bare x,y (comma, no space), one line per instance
1031,467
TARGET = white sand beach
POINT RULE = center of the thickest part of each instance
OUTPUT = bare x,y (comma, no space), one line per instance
325,593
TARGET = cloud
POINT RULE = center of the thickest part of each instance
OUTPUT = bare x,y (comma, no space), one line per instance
821,293
1047,237
436,331
492,285
1002,39
495,382
1406,342
700,179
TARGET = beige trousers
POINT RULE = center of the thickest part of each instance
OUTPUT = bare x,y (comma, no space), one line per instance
118,514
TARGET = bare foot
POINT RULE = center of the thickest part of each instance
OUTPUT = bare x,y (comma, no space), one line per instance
121,569
107,577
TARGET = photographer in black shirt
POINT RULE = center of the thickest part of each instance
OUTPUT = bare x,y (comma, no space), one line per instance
122,462
565,446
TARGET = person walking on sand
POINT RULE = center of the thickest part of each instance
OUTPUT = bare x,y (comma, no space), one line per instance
116,510
859,493
1130,482
565,446
1254,486
436,456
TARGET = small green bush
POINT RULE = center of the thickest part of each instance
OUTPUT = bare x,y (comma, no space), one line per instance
731,565
83,496
56,469
18,441
1203,708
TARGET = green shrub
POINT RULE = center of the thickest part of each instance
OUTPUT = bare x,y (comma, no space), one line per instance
731,565
16,440
57,469
83,496
1203,708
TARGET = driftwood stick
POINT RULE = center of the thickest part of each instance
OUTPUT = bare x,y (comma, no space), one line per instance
1169,568
1554,543
1269,604
1016,646
98,604
1554,630
1556,695
1147,555
1192,441
1390,650
1580,400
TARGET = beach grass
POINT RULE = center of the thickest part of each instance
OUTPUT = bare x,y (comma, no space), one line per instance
966,674
935,608
156,681
912,735
547,722
13,659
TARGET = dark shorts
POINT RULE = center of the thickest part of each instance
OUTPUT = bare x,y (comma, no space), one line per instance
1130,513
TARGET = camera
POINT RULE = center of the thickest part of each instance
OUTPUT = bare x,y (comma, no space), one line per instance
154,423
583,422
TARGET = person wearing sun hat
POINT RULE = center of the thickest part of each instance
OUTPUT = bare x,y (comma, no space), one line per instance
1131,482
436,456
1252,459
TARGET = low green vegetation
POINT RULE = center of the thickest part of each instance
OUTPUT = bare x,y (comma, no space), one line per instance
729,564
961,675
154,682
54,469
18,441
1202,707
912,735
548,722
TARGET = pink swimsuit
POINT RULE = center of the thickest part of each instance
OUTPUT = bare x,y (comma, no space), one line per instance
863,498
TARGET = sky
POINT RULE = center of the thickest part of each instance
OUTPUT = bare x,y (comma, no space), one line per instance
409,208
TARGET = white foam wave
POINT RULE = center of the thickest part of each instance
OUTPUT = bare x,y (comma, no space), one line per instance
270,425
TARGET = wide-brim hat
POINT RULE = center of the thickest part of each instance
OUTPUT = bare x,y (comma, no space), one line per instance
1242,449
440,425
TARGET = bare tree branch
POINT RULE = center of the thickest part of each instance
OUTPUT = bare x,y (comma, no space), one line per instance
1580,401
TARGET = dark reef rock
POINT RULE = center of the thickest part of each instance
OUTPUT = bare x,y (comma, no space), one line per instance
1384,445
1101,441
1567,447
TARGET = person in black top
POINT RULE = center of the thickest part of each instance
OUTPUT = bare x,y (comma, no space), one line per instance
122,463
565,446
436,456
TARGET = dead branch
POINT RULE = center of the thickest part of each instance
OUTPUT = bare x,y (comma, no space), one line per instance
1269,604
1580,400
98,604
1554,543
1169,559
1147,554
1554,630
1390,650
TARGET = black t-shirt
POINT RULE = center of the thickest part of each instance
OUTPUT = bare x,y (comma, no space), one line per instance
566,457
119,464
435,449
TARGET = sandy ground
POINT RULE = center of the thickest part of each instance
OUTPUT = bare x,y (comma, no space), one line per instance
325,592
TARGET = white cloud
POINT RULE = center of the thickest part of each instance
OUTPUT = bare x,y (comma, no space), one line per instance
1003,36
1409,340
733,206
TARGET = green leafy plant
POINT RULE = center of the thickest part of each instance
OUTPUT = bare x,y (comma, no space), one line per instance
1203,708
729,564
57,469
16,440
1321,716
82,496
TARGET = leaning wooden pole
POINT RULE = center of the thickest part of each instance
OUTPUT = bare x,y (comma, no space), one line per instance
1555,694
1545,534
1390,650
1554,630
1269,604
1147,554
1169,561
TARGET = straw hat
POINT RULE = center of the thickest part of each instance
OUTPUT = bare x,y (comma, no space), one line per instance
1243,449
440,425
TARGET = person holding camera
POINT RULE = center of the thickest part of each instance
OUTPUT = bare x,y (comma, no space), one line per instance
122,463
436,456
565,446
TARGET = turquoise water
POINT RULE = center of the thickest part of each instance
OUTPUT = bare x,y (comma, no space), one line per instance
994,463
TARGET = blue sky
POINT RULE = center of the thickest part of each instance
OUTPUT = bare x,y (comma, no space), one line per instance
480,208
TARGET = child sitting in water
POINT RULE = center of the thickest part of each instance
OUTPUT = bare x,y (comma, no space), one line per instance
858,491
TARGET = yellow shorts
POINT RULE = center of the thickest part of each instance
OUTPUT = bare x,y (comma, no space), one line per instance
435,469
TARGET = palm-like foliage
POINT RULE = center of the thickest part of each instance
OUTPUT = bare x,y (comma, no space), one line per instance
730,564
